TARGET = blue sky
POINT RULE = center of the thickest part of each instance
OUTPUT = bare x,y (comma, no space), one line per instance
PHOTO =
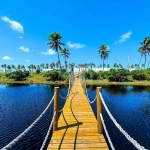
84,25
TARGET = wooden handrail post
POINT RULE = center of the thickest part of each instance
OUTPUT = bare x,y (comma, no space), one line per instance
99,110
55,123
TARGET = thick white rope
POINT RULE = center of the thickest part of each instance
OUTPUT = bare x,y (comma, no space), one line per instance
8,146
43,145
108,137
134,142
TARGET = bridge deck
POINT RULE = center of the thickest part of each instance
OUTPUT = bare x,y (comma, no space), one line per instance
77,125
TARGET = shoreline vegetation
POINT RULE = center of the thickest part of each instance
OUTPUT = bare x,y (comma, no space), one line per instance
92,78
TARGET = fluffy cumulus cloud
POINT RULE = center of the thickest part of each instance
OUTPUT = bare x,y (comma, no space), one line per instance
75,45
25,49
14,25
7,58
27,60
48,52
124,37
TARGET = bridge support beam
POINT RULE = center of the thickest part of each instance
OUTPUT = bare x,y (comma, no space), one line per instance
99,110
55,123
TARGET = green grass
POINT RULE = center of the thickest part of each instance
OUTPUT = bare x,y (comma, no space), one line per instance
106,82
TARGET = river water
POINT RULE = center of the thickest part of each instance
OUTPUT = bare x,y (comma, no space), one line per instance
20,105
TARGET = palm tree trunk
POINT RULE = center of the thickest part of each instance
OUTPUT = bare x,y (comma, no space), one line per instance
145,61
103,65
148,64
59,61
140,59
66,63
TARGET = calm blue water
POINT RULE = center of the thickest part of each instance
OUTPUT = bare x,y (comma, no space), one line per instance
21,105
130,106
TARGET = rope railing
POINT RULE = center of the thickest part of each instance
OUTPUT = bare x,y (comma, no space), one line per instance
46,137
105,129
8,146
91,102
134,142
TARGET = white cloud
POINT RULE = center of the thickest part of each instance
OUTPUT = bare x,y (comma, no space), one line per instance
75,45
27,60
24,49
16,26
20,37
7,58
124,37
49,52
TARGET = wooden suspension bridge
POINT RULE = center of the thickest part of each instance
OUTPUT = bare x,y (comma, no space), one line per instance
77,127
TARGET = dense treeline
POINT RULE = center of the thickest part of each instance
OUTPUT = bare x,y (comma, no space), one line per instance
120,75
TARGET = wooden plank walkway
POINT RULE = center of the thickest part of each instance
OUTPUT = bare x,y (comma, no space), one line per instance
77,125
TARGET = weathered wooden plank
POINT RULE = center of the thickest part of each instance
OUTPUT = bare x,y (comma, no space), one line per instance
77,125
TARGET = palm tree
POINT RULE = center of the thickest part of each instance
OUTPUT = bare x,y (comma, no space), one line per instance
19,67
13,67
115,65
57,65
5,66
8,67
72,66
144,49
65,53
103,51
108,66
132,66
22,67
47,66
91,65
120,65
55,44
52,65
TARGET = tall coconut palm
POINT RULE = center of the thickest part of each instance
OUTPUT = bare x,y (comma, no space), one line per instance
144,49
103,51
55,44
9,67
65,53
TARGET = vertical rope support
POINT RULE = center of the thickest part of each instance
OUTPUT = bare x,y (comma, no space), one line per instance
99,110
55,123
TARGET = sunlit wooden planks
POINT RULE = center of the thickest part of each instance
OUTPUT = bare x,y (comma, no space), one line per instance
77,125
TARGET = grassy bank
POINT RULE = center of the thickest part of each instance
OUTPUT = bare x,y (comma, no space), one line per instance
37,78
106,82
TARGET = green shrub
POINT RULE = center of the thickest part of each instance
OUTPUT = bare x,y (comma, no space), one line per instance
118,75
53,75
138,75
18,75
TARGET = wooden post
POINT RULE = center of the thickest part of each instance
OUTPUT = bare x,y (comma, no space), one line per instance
55,123
99,110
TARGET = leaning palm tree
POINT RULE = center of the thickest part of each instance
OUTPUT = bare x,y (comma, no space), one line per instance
55,44
103,51
144,49
65,53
